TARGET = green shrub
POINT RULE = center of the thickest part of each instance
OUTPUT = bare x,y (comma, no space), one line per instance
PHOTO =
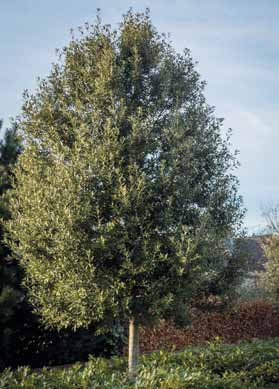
243,366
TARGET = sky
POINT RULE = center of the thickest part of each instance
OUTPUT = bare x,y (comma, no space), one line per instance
234,42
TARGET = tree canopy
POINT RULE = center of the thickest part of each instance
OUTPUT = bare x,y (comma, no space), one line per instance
125,180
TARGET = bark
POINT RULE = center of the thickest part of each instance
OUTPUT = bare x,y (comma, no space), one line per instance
133,347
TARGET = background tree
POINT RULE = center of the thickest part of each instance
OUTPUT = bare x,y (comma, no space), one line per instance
270,212
124,183
269,278
10,294
220,279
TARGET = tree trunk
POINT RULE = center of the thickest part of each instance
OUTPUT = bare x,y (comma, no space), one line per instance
133,347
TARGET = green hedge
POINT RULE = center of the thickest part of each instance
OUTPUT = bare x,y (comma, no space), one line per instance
246,365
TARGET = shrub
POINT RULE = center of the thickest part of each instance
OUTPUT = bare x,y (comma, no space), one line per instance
32,344
242,366
256,319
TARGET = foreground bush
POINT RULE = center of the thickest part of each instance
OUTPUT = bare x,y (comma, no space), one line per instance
256,319
247,365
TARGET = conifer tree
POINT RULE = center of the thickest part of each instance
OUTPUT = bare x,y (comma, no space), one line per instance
124,180
10,275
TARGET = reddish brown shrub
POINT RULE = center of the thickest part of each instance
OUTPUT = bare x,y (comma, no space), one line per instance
257,319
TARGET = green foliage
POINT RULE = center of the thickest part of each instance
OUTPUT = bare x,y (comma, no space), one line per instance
11,295
269,278
125,182
246,365
10,147
22,339
220,281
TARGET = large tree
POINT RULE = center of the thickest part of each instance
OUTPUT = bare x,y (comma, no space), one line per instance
125,181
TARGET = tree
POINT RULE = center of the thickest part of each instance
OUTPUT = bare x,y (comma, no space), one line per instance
23,339
271,214
10,147
269,278
124,182
10,293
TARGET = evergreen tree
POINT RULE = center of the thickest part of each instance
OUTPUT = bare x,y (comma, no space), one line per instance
125,181
10,275
23,339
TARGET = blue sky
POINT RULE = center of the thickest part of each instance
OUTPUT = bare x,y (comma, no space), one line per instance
235,42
